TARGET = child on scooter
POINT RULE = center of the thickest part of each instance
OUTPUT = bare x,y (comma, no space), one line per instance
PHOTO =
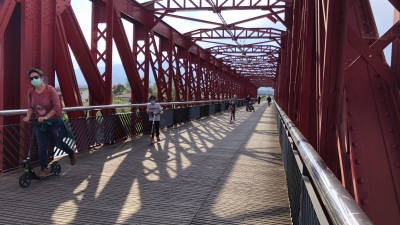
154,110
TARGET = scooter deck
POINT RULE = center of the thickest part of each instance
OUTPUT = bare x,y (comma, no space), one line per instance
36,177
47,176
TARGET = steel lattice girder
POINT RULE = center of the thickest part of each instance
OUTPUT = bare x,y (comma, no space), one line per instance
187,5
228,49
263,81
249,57
238,32
252,64
336,86
224,30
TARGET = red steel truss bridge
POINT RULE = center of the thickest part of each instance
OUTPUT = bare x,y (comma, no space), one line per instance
336,102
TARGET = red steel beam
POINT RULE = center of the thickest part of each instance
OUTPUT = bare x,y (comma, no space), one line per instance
128,60
336,86
6,10
239,33
83,56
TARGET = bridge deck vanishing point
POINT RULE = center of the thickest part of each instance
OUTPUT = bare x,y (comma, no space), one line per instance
205,172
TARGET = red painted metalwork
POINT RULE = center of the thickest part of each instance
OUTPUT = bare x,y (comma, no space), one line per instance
189,5
238,32
335,84
43,34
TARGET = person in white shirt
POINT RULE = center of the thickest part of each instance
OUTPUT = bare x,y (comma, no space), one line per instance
154,110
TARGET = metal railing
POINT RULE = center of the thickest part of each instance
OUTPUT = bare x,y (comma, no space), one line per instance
14,112
308,177
95,130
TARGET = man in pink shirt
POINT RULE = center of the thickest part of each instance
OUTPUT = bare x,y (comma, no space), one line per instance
44,107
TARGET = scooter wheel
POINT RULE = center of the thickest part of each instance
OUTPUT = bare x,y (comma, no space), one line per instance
25,180
55,168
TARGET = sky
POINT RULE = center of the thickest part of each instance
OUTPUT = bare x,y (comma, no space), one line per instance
382,9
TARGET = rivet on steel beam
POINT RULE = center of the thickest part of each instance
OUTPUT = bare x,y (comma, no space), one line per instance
363,202
370,56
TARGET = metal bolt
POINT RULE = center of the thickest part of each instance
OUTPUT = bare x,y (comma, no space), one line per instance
370,55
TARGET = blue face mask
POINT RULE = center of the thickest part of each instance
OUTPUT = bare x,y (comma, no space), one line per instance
36,82
152,102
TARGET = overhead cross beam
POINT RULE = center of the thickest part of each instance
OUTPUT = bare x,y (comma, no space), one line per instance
238,33
262,49
190,5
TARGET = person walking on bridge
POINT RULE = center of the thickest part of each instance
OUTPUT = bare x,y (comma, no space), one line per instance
269,100
249,104
44,107
232,107
259,99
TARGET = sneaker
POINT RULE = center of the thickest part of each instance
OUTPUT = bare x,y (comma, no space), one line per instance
72,159
158,138
44,172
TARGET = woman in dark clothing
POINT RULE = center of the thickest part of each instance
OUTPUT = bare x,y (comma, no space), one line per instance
248,99
232,106
269,100
44,107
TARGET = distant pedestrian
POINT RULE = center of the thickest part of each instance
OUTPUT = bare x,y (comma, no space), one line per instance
232,107
269,100
259,99
248,99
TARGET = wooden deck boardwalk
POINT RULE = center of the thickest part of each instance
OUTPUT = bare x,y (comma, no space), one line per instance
205,172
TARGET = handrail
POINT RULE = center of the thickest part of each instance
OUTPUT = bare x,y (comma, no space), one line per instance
340,205
14,112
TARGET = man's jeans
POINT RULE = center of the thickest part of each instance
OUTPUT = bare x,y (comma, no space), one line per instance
54,134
